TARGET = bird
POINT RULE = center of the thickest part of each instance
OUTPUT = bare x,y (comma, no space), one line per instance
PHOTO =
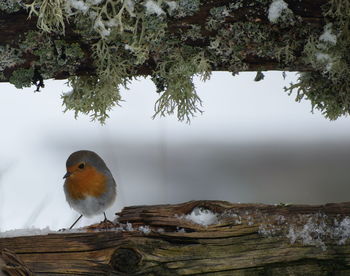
89,185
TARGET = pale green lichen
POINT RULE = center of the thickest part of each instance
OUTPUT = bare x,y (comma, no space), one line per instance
22,77
175,78
9,57
91,96
328,86
10,6
126,35
51,14
187,7
53,55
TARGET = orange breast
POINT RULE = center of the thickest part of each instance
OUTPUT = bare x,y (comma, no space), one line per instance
88,182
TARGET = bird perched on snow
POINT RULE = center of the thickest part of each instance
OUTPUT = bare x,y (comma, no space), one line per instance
89,185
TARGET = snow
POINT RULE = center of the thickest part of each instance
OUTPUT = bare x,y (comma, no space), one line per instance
153,8
26,232
341,231
308,229
79,5
275,10
202,216
128,47
129,227
130,6
312,233
172,5
111,23
94,2
325,58
100,27
327,35
145,229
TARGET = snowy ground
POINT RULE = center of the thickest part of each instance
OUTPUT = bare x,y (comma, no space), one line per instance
252,144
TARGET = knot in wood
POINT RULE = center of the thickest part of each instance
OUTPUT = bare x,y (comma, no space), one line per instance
125,260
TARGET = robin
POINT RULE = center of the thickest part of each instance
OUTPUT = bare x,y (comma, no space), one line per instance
89,185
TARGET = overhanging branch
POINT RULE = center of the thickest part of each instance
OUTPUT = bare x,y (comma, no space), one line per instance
101,46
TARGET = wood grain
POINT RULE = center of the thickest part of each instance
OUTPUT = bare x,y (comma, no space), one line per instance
247,239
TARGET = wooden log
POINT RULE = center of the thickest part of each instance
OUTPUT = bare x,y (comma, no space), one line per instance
11,265
199,238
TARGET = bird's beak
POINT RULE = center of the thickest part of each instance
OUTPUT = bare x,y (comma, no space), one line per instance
67,175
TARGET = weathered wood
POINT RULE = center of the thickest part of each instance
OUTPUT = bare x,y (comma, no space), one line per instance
11,265
243,239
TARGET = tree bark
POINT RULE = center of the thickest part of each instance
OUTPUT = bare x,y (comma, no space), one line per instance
240,239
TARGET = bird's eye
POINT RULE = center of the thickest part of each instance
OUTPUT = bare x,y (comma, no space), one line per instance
81,166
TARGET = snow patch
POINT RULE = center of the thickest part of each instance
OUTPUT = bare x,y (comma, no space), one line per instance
327,35
129,48
79,5
172,5
145,229
153,8
202,216
326,59
129,227
342,230
101,28
26,232
275,10
130,6
312,233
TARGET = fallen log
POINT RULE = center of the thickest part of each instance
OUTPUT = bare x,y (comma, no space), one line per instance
199,238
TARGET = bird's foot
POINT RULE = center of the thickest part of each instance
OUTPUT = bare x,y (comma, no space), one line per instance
106,224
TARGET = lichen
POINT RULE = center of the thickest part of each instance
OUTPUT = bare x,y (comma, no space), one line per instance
11,6
187,8
328,86
174,79
91,96
122,36
9,57
22,77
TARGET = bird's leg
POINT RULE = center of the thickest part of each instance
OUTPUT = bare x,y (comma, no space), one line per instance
106,224
105,216
75,222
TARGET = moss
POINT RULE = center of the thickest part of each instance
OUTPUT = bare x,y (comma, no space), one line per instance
22,77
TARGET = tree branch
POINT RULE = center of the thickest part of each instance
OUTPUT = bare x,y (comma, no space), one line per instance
101,46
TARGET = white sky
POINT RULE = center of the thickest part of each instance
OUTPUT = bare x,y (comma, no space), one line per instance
37,137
